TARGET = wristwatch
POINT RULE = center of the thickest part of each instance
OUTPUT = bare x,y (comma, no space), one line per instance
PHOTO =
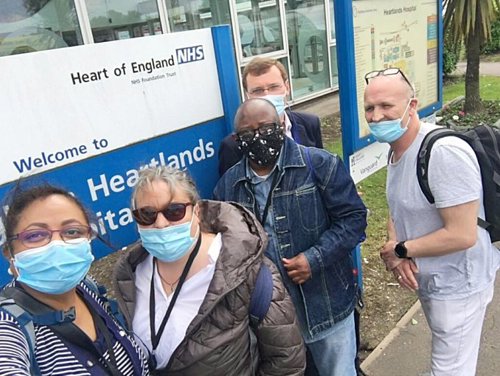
400,250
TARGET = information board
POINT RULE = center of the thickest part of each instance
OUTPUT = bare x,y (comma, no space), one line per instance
402,34
374,35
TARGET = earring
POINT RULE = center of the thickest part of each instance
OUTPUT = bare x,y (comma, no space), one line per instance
9,272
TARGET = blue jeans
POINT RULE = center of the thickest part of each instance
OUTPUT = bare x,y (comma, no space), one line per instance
334,355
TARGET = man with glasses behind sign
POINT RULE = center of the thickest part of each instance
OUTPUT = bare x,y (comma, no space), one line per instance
436,249
267,78
311,211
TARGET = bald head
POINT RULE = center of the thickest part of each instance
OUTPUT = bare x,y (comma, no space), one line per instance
254,112
391,83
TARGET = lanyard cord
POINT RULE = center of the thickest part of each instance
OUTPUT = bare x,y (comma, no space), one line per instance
155,338
268,201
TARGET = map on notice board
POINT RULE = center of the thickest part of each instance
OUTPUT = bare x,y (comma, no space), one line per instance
402,34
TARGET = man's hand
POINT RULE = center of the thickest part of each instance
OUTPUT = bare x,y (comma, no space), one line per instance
405,274
387,254
298,268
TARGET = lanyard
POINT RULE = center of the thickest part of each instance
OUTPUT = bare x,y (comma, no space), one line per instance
268,201
155,338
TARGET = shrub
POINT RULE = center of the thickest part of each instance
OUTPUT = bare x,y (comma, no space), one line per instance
493,45
451,54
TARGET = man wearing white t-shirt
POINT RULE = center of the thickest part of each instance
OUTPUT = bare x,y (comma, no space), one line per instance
436,249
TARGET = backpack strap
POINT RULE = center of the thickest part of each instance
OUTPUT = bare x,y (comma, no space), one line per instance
262,294
110,304
424,155
25,322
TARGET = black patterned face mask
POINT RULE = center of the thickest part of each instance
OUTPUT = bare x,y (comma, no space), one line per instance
263,149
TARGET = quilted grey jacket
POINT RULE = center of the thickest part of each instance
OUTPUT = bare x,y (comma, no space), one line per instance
219,340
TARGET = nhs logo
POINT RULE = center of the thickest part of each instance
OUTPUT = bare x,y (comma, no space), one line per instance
189,54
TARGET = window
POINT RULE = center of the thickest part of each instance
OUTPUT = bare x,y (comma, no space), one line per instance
307,43
191,15
123,19
260,27
332,19
334,68
37,25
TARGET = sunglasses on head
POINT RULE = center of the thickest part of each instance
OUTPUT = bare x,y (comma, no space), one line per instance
386,72
147,215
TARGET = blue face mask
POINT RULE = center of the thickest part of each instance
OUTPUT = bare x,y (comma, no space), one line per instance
278,102
54,268
389,130
170,243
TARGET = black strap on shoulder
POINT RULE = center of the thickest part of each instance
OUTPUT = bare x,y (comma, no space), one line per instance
261,296
424,155
61,322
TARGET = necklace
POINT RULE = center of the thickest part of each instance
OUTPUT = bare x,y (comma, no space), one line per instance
169,284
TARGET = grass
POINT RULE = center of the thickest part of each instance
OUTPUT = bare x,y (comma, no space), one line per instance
489,88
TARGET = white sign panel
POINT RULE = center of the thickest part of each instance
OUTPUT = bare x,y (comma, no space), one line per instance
368,160
65,105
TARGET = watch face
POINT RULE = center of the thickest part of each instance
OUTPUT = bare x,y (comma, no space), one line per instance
401,250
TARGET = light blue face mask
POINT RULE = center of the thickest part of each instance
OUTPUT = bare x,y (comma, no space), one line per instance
56,267
278,102
170,243
389,130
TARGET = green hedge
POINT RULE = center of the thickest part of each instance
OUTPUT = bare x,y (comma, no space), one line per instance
451,54
493,46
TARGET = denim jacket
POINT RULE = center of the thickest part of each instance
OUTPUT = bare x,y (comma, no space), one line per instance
316,210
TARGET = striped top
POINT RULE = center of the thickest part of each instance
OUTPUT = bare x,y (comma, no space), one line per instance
55,356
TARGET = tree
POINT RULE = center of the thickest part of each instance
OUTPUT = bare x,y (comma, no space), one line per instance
470,22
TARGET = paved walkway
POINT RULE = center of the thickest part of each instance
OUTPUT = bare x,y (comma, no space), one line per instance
406,350
485,68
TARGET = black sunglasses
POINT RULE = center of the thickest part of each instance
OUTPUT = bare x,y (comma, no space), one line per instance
147,215
247,135
386,72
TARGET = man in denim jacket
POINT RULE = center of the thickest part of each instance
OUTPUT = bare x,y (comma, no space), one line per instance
314,217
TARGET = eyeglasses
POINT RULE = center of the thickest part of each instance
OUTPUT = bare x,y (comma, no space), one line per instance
41,236
386,72
267,129
173,212
273,89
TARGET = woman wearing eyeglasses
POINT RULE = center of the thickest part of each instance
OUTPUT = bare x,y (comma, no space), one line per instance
52,318
186,286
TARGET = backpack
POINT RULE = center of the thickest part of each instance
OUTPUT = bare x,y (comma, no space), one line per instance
262,295
12,302
485,141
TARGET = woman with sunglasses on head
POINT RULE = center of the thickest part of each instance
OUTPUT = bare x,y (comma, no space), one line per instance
186,286
52,318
